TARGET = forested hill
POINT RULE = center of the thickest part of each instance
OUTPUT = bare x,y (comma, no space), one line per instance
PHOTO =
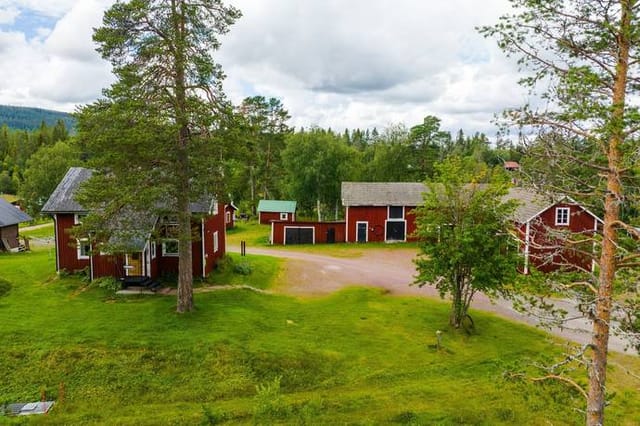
25,118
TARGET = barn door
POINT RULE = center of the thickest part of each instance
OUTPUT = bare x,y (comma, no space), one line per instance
294,235
331,235
395,231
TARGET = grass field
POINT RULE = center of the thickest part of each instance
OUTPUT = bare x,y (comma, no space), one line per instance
356,357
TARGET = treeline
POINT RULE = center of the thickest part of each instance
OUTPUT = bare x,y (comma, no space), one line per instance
24,154
26,118
262,157
270,160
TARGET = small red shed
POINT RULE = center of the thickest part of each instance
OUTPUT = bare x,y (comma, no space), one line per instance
276,211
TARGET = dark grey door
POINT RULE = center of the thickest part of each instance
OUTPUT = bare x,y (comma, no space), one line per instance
395,231
331,235
298,236
361,236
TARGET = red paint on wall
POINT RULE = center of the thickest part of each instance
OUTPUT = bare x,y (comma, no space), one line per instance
321,230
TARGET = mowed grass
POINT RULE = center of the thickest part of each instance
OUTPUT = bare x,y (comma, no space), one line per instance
356,357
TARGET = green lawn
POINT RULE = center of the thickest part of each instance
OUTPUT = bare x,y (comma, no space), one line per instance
357,357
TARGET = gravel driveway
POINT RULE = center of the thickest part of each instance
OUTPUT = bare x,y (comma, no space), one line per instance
310,274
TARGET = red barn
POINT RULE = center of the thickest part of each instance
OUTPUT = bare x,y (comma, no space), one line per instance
276,211
143,249
380,211
383,212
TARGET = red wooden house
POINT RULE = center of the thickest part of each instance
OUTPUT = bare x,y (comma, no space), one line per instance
144,250
383,212
276,210
544,227
230,215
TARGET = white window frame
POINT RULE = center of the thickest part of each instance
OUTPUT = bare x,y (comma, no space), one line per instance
563,215
216,242
227,217
366,233
215,208
397,219
83,242
284,216
164,248
77,218
153,249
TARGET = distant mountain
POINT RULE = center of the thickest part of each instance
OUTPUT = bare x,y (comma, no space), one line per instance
30,118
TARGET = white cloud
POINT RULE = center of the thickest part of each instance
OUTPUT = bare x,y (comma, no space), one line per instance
371,62
355,64
59,68
54,8
8,15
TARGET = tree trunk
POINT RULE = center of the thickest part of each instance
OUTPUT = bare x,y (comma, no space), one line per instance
185,255
318,207
596,398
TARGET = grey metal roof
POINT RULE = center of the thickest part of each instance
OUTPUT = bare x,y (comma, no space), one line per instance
277,206
410,194
531,203
11,215
62,199
382,193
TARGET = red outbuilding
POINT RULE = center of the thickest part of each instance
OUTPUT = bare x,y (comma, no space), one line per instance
276,211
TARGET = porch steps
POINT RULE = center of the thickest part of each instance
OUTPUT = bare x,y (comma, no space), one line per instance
140,281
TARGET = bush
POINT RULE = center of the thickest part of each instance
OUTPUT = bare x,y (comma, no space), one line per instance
5,287
242,268
108,283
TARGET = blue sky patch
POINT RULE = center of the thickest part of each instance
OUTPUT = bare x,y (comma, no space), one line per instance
28,22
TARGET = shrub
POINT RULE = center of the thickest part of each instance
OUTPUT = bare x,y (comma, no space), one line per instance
108,283
242,268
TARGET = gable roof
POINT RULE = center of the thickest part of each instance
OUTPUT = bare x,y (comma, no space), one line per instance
11,215
277,206
382,193
62,199
409,194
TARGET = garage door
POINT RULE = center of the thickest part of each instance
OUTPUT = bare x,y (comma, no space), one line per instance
294,235
395,231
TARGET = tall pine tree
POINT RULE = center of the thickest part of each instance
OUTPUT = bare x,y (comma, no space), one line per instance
153,139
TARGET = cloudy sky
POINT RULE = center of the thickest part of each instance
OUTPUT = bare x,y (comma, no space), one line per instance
332,63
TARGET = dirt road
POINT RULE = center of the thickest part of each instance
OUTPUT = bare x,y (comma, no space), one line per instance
307,274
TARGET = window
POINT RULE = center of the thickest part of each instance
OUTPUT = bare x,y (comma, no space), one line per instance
284,216
170,248
153,249
215,242
214,208
84,248
562,216
227,217
77,218
396,212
